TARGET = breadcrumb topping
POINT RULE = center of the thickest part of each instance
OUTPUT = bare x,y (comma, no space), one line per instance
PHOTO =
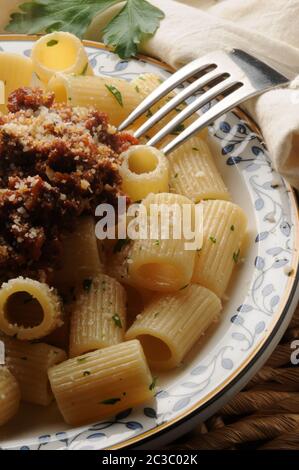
56,162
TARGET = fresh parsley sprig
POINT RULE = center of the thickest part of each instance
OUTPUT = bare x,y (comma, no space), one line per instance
135,22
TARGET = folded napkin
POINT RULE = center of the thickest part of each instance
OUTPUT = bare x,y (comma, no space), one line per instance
269,30
192,28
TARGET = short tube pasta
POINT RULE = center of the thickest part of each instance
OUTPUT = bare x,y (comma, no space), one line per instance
15,72
114,96
98,316
86,263
59,52
224,229
144,84
171,324
9,395
162,264
101,383
29,363
29,309
194,173
144,170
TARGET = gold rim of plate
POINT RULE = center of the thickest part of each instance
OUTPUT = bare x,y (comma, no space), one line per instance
291,283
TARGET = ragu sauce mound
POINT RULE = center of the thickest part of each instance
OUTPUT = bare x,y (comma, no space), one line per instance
56,162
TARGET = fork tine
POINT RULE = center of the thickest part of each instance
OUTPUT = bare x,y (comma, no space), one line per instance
191,109
172,82
223,106
177,100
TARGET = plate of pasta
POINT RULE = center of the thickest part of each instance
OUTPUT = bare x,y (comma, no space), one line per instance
121,341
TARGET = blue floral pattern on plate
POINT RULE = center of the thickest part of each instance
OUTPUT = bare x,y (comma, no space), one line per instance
258,295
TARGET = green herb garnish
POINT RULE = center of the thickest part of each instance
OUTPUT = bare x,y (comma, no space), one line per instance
153,384
178,129
213,239
109,401
116,93
84,69
52,43
117,320
232,227
86,373
81,359
236,256
137,20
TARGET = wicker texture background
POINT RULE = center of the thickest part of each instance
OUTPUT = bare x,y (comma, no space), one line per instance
265,415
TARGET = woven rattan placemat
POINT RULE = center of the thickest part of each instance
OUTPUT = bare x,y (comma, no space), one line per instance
264,415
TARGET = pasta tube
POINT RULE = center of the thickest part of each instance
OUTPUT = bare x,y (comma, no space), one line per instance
15,72
144,170
224,229
194,173
144,84
171,324
101,383
59,52
80,256
99,316
161,262
29,363
114,96
9,395
29,309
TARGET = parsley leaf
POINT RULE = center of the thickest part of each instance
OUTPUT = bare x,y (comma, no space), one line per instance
73,16
117,320
109,401
137,20
116,93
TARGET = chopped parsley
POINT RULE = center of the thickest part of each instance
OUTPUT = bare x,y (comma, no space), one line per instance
178,129
52,43
157,242
137,89
213,239
195,149
86,373
84,69
116,93
176,175
87,283
153,384
82,359
149,113
109,401
232,227
236,256
117,320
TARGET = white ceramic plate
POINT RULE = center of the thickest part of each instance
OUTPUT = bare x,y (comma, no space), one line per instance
261,300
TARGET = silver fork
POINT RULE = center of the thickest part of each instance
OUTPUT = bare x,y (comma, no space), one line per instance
234,76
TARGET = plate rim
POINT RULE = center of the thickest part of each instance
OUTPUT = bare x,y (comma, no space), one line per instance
279,318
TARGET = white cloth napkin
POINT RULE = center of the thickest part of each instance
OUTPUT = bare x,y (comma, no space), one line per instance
268,29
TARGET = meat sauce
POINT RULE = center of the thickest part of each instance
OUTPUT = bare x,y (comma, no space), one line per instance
56,163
